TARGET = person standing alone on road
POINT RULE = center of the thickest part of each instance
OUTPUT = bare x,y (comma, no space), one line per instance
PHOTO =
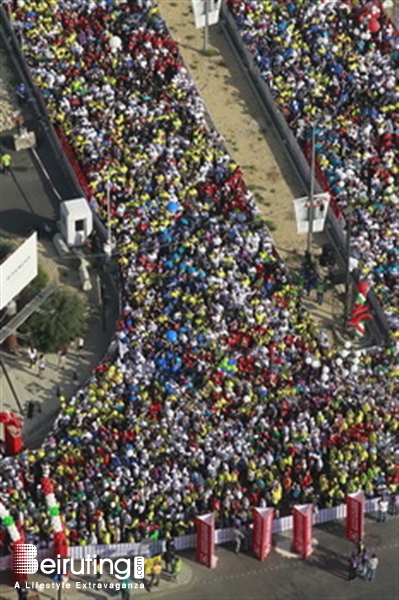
176,568
320,291
383,505
81,343
352,566
238,537
62,358
32,356
372,568
6,163
155,575
42,366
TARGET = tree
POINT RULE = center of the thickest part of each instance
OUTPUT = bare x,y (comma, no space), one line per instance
34,287
59,320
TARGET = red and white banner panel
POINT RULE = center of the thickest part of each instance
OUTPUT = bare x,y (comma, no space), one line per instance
303,524
53,510
12,432
205,540
355,516
262,531
20,558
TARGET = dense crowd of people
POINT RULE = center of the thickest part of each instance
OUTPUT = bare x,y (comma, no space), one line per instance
331,67
221,395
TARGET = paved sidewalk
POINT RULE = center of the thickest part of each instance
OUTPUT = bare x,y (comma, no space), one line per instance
27,202
44,391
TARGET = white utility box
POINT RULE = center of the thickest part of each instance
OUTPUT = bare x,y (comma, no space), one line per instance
76,221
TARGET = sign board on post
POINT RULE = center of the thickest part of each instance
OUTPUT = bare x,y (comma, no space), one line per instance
355,516
262,531
18,269
205,542
302,210
303,517
206,12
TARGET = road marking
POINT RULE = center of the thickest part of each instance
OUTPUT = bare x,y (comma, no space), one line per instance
270,569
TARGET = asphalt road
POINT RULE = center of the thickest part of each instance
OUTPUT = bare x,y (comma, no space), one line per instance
281,577
28,201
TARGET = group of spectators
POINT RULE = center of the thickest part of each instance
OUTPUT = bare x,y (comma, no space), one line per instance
331,66
222,395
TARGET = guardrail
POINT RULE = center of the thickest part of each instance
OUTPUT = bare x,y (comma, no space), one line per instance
35,99
379,326
43,125
186,542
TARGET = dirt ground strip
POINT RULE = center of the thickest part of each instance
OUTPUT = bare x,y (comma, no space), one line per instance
249,135
251,139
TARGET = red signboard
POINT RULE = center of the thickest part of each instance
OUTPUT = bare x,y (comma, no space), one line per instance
262,531
61,547
18,576
12,431
205,545
303,521
355,516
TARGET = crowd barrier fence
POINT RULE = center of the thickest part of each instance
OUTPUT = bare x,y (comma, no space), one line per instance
379,326
44,128
69,163
186,542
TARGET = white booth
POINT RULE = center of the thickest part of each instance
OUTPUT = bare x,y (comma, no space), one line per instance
76,221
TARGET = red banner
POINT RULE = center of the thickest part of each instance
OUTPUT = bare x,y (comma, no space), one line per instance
355,516
205,544
61,544
262,531
19,577
303,522
12,432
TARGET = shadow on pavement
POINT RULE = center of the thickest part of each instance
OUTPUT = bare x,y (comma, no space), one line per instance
336,528
329,561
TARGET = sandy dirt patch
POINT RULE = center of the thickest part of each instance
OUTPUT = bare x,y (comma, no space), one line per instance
239,117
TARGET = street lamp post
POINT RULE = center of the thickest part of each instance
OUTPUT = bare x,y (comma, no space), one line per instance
109,210
312,184
206,28
348,213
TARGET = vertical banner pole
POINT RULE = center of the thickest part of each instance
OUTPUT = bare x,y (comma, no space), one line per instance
109,209
311,195
347,266
206,28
